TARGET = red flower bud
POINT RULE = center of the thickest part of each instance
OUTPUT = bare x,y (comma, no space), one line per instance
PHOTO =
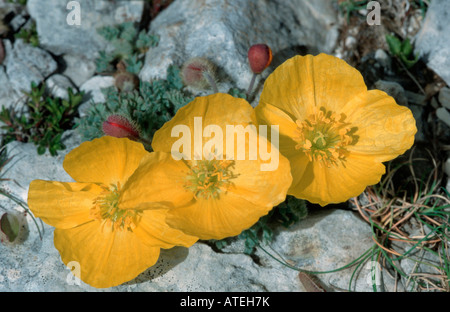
259,57
120,127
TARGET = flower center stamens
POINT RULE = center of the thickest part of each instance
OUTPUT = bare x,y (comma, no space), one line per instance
208,178
106,210
324,137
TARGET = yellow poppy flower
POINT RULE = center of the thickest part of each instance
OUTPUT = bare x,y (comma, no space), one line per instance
112,245
335,132
214,191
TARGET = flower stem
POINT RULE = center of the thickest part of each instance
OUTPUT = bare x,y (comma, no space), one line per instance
250,87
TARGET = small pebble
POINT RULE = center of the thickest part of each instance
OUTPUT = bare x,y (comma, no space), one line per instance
444,97
443,114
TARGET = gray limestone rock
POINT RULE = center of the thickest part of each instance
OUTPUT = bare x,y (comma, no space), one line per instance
9,97
223,31
78,68
432,40
327,240
26,64
58,86
444,97
59,37
444,115
93,92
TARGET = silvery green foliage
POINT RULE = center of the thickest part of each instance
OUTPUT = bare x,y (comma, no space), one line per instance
126,44
153,104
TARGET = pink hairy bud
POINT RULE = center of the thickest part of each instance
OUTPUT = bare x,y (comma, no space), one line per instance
120,127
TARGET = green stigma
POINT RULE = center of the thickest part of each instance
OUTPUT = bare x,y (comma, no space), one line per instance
208,178
106,210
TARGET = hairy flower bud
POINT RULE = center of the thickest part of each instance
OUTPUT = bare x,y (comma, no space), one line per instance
198,73
120,127
126,82
259,57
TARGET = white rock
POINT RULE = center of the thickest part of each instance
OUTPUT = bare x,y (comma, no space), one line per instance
327,240
416,98
443,114
93,92
78,68
9,97
447,167
432,40
223,31
383,58
350,42
26,166
25,64
18,21
58,86
434,103
57,36
8,7
444,97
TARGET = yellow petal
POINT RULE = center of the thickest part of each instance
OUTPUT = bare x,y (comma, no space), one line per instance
267,114
216,218
106,258
62,205
263,188
303,84
160,180
106,160
327,185
385,129
299,163
217,109
154,231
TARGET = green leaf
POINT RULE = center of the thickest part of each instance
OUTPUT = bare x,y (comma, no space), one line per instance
103,62
128,31
174,77
406,47
409,63
146,41
41,150
395,45
108,32
238,93
10,226
122,48
134,65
